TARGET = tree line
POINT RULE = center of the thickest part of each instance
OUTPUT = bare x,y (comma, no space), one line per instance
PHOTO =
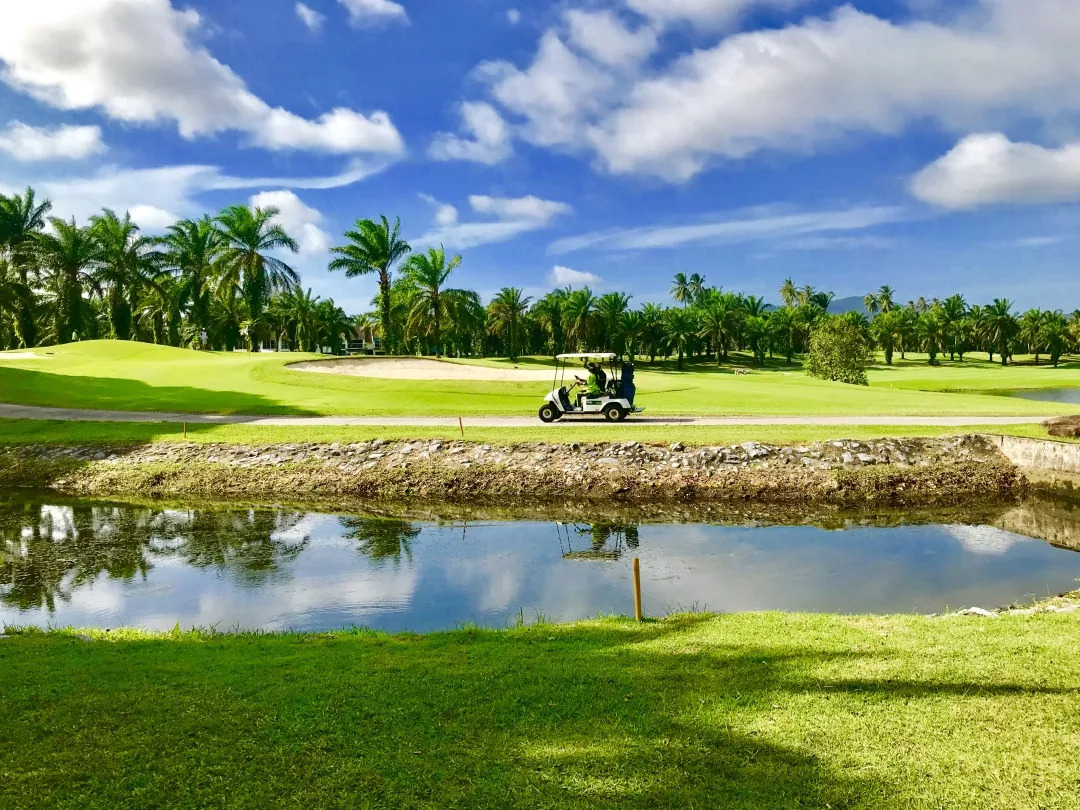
218,281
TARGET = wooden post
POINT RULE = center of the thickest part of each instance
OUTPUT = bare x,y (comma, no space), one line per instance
461,425
185,430
637,590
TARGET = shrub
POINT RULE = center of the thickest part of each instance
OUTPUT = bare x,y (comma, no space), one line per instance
839,351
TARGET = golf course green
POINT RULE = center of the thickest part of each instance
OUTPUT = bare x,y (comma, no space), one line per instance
137,376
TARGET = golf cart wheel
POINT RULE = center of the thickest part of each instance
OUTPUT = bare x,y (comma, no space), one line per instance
614,412
548,413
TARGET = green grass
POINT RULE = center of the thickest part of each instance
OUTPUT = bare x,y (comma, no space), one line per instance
134,376
742,711
29,431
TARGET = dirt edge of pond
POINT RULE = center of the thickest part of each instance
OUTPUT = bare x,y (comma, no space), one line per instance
916,471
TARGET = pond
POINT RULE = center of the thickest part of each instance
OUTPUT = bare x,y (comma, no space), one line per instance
95,564
1070,396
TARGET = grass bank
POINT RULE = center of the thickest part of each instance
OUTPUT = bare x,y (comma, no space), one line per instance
136,376
741,711
32,431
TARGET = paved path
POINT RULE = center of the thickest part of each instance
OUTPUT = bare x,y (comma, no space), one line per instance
73,415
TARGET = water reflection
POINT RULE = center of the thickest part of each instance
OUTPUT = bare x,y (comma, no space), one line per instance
95,564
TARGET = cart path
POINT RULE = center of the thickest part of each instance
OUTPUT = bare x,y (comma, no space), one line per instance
75,415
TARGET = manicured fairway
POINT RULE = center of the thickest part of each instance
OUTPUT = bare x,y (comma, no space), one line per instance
135,376
743,711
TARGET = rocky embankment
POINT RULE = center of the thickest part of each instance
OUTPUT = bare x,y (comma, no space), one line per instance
843,472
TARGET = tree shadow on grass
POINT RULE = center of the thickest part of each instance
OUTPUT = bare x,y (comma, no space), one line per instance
609,714
41,388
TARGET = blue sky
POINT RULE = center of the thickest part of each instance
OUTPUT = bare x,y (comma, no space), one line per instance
928,144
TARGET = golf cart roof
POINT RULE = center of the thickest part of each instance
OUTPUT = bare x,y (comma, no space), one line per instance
588,356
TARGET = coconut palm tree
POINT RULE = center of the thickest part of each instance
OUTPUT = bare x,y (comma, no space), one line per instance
374,247
680,289
870,303
1031,326
128,263
192,249
22,219
507,312
431,304
71,255
681,329
789,293
248,237
550,313
652,330
1000,326
581,317
885,296
720,323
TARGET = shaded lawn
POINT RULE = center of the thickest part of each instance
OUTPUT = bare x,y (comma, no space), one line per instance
32,431
134,376
743,711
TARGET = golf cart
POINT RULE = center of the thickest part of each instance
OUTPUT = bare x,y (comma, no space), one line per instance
615,402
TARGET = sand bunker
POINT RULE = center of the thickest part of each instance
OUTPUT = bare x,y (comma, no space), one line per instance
407,368
20,356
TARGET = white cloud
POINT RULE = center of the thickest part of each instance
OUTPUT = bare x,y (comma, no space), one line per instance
561,276
26,143
602,36
370,12
793,88
138,61
554,95
1035,242
988,168
489,141
310,17
161,191
702,12
445,214
752,226
513,16
299,220
530,208
512,217
151,218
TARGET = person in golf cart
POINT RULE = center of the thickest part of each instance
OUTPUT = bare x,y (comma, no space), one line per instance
597,382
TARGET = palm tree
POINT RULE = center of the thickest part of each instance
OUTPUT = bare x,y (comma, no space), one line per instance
719,324
756,330
22,219
192,249
127,264
1031,326
248,235
162,304
430,304
885,298
870,304
374,247
1000,326
610,309
652,330
696,287
299,316
952,312
680,289
789,294
1055,335
581,317
71,254
331,326
682,329
782,325
631,326
550,313
507,313
886,330
13,294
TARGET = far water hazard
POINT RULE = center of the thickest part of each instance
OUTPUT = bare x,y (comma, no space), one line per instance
1070,396
92,564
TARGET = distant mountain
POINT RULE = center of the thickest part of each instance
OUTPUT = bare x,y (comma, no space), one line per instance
842,305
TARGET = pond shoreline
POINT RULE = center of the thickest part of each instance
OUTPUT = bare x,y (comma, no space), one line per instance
886,471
